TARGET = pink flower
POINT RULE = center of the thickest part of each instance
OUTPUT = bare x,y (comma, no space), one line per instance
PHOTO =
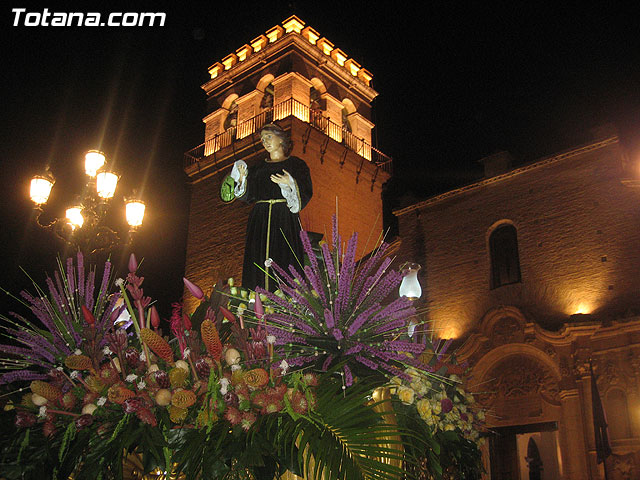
133,263
155,317
195,290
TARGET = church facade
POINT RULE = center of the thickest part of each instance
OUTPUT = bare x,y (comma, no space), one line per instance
534,271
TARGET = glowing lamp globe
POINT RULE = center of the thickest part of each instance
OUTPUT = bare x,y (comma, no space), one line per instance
40,189
135,212
93,161
410,286
74,215
106,183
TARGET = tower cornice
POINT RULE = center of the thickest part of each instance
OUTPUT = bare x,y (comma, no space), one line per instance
337,65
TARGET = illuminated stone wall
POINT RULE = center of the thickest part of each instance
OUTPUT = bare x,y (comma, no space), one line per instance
578,231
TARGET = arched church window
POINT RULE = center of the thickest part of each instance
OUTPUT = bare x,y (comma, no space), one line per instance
505,262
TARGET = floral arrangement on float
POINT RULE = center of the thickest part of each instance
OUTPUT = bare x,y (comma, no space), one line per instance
311,380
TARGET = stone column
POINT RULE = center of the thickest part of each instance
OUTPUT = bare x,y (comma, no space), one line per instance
572,435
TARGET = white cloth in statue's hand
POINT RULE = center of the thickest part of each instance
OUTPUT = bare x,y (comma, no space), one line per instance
291,194
241,180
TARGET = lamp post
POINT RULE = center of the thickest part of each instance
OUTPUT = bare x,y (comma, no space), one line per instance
84,223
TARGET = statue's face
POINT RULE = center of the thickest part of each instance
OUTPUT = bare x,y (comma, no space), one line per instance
270,141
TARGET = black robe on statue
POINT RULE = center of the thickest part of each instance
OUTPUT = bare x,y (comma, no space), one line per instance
284,244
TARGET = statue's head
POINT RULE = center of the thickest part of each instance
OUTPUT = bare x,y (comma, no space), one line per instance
274,130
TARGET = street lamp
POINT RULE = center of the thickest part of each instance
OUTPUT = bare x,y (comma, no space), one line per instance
410,288
84,223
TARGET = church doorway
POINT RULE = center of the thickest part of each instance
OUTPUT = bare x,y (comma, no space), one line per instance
525,452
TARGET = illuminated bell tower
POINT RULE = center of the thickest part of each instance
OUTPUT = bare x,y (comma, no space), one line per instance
293,76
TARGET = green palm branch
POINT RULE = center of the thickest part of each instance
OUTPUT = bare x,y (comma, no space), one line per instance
346,437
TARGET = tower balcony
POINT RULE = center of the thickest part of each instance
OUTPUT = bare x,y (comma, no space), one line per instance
244,135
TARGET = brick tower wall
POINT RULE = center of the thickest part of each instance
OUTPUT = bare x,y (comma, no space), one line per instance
216,235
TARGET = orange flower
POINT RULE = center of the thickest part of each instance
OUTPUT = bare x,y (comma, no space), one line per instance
183,399
256,378
211,339
46,390
118,394
158,344
78,362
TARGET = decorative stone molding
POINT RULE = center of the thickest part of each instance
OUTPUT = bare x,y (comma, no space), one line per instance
521,376
581,362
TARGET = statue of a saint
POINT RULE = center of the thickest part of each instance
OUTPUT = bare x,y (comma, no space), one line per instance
279,187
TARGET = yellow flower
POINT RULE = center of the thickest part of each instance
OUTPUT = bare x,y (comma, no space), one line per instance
424,409
449,427
419,387
406,395
396,380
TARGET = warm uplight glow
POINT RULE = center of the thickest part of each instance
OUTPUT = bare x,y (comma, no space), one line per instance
74,215
93,161
135,212
106,183
582,308
410,286
293,24
40,189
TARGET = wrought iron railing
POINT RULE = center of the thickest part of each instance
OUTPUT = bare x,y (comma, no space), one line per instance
290,107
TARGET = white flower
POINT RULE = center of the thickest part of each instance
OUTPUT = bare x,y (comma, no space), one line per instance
143,357
284,365
75,374
77,352
131,377
60,369
235,367
42,412
106,350
101,401
268,262
271,339
224,386
142,385
186,353
119,282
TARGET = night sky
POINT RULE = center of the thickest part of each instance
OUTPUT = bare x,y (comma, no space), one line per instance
456,83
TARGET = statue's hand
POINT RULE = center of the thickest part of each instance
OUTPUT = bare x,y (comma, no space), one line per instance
282,178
